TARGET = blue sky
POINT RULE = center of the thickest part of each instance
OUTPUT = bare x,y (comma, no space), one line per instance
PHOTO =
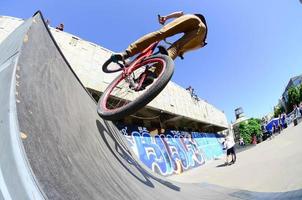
254,47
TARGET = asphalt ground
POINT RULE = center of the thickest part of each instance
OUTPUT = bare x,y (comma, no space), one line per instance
274,165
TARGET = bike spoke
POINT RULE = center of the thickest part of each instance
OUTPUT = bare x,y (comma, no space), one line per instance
122,93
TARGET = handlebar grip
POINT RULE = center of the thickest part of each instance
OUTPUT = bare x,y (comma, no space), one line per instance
158,17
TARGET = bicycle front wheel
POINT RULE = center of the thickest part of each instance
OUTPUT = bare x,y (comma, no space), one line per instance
119,100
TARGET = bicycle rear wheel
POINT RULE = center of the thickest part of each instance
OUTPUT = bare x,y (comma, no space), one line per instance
119,100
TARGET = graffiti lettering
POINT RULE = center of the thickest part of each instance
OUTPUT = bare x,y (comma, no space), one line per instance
174,151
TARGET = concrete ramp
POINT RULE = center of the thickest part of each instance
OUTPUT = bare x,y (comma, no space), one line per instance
55,146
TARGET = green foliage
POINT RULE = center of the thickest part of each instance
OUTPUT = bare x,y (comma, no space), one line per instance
278,110
300,91
293,97
249,128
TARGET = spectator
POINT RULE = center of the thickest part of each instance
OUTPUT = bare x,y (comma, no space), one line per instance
47,22
190,89
241,142
296,114
280,124
193,95
296,110
274,128
284,123
60,27
229,145
254,139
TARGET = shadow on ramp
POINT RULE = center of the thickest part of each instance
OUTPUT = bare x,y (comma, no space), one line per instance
121,151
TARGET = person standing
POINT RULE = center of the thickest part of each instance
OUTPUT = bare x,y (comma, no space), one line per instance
280,127
284,123
296,114
60,27
274,128
230,147
241,142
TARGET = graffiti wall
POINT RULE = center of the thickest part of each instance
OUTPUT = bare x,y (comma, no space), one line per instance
172,152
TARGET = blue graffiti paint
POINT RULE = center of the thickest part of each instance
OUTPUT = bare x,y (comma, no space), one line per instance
174,151
194,155
150,153
160,141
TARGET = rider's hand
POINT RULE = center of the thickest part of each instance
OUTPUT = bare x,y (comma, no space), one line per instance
162,20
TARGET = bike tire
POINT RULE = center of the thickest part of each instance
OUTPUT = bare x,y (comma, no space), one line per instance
111,67
141,101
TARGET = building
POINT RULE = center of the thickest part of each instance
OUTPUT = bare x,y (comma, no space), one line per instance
293,82
240,117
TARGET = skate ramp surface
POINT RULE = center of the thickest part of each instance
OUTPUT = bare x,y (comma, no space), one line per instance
65,150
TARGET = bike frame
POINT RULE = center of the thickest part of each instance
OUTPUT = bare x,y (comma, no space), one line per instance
134,64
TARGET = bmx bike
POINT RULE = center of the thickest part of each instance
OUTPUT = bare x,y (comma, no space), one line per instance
127,93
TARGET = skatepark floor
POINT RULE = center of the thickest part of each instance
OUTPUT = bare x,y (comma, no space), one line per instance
274,165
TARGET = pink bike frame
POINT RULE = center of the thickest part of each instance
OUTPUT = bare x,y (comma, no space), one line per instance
134,64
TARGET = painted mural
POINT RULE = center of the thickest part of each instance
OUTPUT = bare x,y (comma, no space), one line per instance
172,152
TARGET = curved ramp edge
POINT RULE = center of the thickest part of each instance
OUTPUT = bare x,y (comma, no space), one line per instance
16,180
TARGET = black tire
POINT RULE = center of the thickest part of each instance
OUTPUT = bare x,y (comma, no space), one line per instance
111,67
151,92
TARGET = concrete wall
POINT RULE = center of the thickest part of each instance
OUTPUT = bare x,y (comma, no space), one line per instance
86,59
172,152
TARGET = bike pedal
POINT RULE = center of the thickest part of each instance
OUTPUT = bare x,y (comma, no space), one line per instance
151,69
162,50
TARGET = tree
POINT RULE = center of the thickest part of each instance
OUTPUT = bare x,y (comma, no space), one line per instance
293,97
278,110
300,91
255,127
250,128
244,132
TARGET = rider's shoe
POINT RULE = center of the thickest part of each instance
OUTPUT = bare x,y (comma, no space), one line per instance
122,56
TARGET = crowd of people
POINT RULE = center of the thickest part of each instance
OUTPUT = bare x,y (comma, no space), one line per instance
59,27
284,120
190,89
298,110
280,125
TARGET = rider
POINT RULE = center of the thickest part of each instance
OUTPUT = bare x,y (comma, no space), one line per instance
193,26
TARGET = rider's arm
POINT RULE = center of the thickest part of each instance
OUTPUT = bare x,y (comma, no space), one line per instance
175,15
163,19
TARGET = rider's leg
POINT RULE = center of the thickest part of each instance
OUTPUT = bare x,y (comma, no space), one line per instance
189,41
183,24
